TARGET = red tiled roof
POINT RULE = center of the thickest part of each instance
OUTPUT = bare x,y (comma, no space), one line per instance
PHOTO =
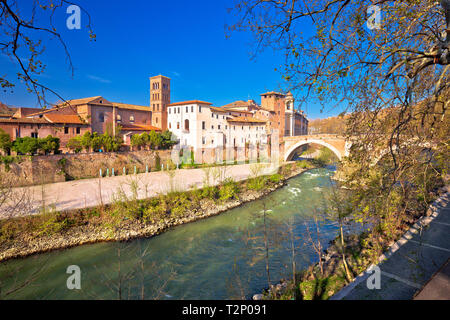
246,119
217,109
181,103
24,120
64,118
133,127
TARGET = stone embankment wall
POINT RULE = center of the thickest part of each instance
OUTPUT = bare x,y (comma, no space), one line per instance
57,168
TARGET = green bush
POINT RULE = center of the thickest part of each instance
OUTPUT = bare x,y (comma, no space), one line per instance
5,142
29,145
257,183
210,192
179,203
75,144
229,190
155,211
275,178
304,164
52,223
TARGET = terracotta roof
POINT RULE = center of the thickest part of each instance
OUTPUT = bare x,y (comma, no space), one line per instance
5,110
217,109
130,106
240,111
240,104
64,118
24,120
182,103
75,102
133,127
44,111
246,119
273,92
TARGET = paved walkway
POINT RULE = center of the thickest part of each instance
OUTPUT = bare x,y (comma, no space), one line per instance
410,262
92,192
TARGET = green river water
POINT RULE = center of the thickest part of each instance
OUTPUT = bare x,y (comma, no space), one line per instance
215,258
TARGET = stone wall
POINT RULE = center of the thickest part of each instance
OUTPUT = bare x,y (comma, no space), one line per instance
57,168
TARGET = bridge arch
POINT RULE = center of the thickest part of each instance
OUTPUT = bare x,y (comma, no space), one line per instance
289,153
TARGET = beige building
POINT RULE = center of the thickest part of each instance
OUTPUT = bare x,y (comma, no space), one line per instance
211,132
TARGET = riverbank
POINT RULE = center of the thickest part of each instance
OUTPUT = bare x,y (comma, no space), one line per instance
331,282
130,218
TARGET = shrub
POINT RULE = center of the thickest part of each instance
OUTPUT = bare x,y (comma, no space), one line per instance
26,145
179,203
75,144
5,142
210,192
155,211
257,183
275,178
229,190
51,223
304,164
49,144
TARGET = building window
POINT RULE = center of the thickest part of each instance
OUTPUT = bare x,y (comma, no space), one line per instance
186,125
218,127
187,109
156,119
178,125
34,134
203,125
119,118
132,119
170,110
199,109
212,115
101,117
192,108
66,130
178,109
203,140
212,127
78,130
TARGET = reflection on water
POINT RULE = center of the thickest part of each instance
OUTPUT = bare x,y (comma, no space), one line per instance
216,258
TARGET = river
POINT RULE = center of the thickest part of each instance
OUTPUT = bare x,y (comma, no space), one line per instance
220,257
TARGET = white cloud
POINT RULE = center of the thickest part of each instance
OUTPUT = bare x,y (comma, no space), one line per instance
98,79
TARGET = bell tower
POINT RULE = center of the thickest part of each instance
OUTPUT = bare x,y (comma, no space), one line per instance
159,99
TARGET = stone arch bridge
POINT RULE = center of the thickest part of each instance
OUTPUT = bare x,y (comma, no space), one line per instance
336,143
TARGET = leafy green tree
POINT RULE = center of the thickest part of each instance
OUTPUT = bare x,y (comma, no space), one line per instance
96,142
167,141
155,140
5,142
26,145
75,144
49,144
137,140
86,141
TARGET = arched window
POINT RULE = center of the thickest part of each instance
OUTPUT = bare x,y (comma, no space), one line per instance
101,117
119,118
131,118
186,125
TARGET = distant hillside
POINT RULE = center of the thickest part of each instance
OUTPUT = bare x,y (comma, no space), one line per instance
332,125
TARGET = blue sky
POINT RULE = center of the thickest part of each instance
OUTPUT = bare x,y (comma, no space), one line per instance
184,40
